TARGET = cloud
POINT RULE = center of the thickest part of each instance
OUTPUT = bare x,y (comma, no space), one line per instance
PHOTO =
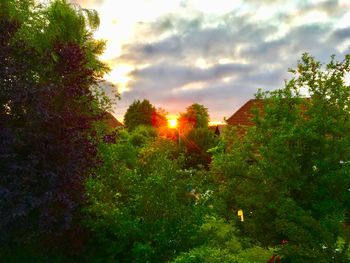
341,35
110,90
194,38
87,2
178,75
330,7
240,55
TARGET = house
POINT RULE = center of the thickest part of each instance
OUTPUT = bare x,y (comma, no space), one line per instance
243,116
111,121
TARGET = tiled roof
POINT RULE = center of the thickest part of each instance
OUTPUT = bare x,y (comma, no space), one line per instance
243,116
111,121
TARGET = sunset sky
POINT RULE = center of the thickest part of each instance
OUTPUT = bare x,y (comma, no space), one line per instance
215,52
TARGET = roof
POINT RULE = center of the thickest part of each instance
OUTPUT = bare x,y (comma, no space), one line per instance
111,121
243,116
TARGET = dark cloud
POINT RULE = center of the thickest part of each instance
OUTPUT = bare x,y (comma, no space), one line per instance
213,42
286,50
178,75
148,52
330,7
341,35
170,23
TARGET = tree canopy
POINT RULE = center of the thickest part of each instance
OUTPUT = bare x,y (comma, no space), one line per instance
49,72
143,113
196,116
290,173
195,136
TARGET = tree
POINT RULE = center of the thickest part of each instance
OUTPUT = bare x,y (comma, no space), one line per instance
196,116
290,173
139,207
48,77
143,113
221,244
195,135
197,143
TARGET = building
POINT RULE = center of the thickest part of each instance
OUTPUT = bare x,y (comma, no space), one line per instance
243,116
111,121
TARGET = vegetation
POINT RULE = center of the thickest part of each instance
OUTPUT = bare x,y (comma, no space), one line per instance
49,70
195,137
298,153
196,116
72,190
143,113
140,206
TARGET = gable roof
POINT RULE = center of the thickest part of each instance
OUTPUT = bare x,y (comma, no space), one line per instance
243,116
111,121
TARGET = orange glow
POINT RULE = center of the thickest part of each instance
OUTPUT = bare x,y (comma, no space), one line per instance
172,122
214,123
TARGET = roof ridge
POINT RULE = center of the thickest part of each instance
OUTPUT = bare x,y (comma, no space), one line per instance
243,115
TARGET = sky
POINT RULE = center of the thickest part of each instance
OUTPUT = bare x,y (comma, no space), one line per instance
216,53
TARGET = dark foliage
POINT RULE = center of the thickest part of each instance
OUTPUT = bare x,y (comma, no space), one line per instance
195,137
46,138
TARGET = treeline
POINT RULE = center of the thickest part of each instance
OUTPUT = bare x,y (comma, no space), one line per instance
74,190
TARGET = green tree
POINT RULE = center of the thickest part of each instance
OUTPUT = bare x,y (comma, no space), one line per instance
195,136
197,143
196,116
143,113
140,205
49,73
220,243
290,173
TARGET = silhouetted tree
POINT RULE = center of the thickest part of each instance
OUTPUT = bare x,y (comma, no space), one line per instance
48,72
143,113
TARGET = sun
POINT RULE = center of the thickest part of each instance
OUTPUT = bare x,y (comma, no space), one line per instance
172,122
